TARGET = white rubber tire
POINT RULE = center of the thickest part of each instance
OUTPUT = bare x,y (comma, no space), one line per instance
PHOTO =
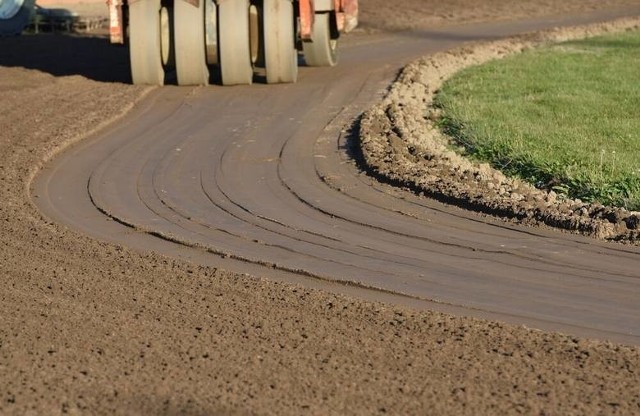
145,50
323,51
234,50
281,57
166,38
211,31
190,44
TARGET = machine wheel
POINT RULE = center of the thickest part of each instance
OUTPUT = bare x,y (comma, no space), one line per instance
323,51
15,16
234,50
281,57
211,31
166,38
254,34
145,50
190,43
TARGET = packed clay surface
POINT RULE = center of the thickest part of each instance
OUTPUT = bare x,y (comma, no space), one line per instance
92,328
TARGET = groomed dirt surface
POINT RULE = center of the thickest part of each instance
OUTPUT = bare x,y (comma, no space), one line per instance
87,327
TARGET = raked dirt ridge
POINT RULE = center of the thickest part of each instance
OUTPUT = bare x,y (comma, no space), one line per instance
401,143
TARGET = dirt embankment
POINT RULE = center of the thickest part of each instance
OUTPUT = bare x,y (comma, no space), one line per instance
401,143
87,327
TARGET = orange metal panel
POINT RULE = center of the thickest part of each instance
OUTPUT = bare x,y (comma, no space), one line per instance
116,23
307,15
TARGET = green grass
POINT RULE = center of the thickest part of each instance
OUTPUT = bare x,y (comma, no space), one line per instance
565,117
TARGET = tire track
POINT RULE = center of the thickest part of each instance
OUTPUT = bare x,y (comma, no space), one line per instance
263,174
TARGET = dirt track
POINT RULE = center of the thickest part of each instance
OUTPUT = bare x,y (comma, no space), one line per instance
87,324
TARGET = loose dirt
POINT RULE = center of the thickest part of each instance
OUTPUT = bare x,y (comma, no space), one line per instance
87,327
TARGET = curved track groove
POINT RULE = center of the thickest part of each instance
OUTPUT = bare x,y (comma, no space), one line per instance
263,174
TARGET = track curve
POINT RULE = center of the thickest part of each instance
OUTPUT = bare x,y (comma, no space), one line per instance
259,179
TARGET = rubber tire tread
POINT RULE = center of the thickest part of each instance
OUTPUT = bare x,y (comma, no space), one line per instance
145,52
323,51
190,43
281,57
234,51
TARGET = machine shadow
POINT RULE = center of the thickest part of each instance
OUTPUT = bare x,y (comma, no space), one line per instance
90,56
58,54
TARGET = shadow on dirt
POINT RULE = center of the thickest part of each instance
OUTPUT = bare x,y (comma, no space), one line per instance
58,54
92,57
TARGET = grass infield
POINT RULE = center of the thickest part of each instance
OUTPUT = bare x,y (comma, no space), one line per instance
564,117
